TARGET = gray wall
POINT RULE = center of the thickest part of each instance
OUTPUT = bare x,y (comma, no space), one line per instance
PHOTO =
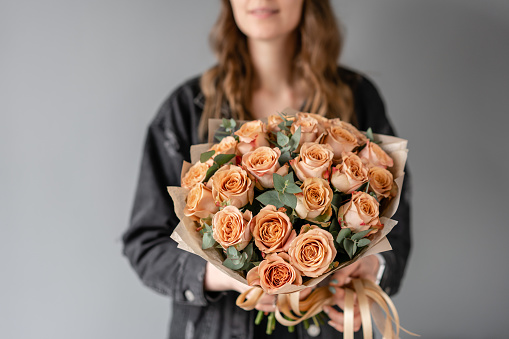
80,80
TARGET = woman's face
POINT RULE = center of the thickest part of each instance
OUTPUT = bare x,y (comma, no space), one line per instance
267,19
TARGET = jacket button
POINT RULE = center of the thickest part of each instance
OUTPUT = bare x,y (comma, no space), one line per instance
189,295
313,330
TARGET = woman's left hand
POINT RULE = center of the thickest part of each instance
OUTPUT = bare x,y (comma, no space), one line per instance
366,268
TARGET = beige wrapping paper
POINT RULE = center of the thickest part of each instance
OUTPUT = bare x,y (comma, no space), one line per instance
190,240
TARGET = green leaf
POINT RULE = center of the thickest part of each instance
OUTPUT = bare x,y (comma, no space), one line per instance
348,245
222,159
289,178
270,198
363,242
284,158
334,227
206,155
207,241
336,200
210,172
295,139
232,252
369,134
234,264
282,139
279,182
344,233
354,248
322,217
288,199
361,235
292,188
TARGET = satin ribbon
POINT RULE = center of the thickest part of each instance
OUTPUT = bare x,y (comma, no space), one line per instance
373,303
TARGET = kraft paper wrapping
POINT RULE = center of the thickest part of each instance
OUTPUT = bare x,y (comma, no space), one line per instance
190,240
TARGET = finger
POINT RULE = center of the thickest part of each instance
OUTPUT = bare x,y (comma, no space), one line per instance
339,297
337,319
265,308
267,299
342,277
305,293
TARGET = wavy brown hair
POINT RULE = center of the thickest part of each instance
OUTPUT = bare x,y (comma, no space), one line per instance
318,47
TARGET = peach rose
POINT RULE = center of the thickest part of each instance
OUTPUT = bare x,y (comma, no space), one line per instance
200,203
252,134
360,213
230,227
313,251
350,174
341,140
315,199
313,161
361,138
194,175
262,163
309,128
380,181
226,146
274,273
232,183
272,230
374,155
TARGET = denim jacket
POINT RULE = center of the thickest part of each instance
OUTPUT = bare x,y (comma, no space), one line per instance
179,274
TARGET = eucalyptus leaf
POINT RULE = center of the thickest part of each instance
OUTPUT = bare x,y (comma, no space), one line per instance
234,264
295,139
354,248
344,233
322,217
270,198
288,199
292,188
369,135
222,159
279,182
285,157
282,139
206,155
232,252
207,241
334,227
363,242
289,178
336,200
348,246
361,235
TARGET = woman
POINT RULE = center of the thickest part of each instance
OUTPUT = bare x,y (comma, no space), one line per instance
271,55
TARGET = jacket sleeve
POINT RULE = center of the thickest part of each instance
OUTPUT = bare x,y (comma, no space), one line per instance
372,110
147,243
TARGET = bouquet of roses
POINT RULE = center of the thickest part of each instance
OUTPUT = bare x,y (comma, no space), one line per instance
283,204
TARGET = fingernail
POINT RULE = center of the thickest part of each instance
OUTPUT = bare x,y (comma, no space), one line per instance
334,281
332,289
326,309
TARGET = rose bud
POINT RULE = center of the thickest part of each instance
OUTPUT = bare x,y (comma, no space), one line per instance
309,128
315,199
380,181
230,227
262,163
313,161
274,273
374,155
194,175
313,251
200,203
232,183
272,230
341,140
350,174
252,134
361,213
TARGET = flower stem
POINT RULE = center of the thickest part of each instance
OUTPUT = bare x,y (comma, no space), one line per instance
259,318
271,322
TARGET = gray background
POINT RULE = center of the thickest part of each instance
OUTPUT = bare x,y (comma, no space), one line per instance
80,80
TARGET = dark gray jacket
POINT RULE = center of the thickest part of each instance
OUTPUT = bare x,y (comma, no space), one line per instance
179,274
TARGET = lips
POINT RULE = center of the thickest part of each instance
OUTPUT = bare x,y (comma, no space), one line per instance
263,12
